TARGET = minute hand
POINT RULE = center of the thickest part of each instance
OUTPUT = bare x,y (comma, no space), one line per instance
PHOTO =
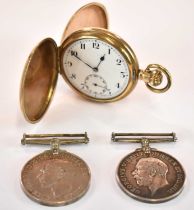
83,61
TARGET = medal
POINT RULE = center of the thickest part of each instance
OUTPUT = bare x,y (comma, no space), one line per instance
147,174
55,177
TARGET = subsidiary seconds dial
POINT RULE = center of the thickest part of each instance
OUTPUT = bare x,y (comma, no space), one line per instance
95,68
95,85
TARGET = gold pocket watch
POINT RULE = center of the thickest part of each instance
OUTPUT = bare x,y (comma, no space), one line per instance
96,63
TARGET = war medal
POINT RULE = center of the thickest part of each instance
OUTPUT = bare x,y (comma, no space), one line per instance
147,174
55,177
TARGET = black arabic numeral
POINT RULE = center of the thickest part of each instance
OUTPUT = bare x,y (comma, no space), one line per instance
123,74
73,53
96,45
118,61
73,76
69,63
83,46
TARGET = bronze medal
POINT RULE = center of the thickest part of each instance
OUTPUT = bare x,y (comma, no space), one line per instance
55,177
150,175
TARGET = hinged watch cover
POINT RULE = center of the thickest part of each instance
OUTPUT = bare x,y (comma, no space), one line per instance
41,70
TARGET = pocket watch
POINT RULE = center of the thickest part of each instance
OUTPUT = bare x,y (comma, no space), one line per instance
95,62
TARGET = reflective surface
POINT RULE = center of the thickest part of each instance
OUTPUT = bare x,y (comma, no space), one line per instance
155,177
55,179
39,80
91,15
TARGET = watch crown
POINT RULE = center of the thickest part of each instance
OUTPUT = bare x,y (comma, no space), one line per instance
153,76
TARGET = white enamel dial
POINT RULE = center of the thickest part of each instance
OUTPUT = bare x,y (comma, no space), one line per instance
96,68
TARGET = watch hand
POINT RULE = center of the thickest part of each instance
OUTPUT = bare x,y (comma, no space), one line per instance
95,84
101,59
83,61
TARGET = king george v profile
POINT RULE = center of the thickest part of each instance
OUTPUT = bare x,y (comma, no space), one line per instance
55,179
151,172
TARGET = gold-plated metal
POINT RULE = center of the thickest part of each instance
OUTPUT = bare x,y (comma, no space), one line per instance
90,15
112,39
41,70
46,139
39,80
147,174
153,77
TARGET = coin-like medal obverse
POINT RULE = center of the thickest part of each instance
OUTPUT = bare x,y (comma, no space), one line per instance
55,177
156,177
150,175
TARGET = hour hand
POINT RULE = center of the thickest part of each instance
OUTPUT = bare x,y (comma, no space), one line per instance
101,59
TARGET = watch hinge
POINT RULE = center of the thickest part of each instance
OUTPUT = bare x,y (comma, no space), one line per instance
58,61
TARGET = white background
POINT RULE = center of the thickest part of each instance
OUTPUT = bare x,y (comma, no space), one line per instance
159,31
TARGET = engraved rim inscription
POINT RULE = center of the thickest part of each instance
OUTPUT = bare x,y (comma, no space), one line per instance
55,179
152,178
